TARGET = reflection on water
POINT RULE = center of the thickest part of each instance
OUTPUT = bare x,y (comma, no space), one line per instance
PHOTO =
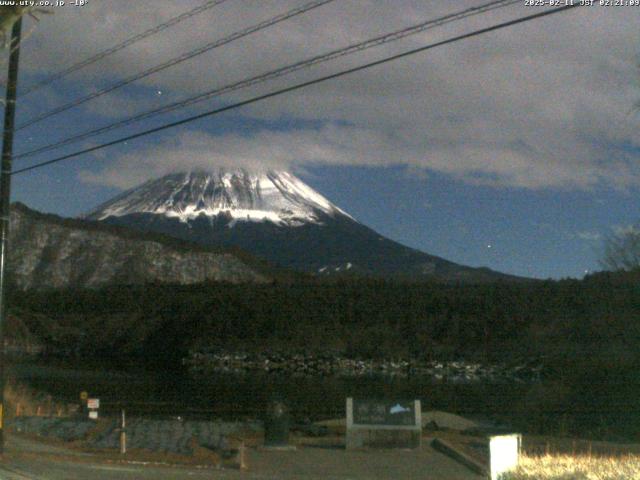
149,392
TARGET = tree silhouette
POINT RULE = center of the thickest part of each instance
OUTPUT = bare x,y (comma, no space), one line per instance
622,249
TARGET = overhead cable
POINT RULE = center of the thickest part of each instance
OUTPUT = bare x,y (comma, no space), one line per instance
122,45
279,72
299,86
177,60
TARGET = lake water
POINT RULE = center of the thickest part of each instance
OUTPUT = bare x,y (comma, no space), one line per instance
159,393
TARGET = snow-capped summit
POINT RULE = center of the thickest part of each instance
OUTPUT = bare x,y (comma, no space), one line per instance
238,195
274,216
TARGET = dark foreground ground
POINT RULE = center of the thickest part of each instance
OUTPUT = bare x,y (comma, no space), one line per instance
28,458
36,455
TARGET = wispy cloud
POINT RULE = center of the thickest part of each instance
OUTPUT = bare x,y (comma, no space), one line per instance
261,151
589,236
528,107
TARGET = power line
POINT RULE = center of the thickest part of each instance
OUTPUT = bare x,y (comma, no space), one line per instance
279,72
299,86
116,48
177,60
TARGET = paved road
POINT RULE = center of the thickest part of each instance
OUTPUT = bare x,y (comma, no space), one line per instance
29,460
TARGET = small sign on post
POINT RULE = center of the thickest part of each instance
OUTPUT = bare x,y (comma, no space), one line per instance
383,423
84,395
93,404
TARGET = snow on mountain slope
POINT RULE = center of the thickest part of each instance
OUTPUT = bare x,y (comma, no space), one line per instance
276,217
277,197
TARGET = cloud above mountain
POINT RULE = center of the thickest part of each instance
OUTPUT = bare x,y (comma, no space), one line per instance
546,104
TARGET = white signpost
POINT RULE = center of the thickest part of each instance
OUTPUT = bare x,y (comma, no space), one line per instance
503,454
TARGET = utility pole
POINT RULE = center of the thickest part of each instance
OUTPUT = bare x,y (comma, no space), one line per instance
5,199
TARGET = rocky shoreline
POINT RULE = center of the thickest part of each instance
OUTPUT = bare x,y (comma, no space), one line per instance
329,365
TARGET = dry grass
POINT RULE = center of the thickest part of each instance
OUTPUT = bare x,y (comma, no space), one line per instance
23,400
577,467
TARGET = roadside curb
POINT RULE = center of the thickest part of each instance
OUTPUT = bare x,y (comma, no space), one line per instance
456,454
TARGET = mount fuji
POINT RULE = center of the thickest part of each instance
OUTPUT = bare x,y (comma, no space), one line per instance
276,216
